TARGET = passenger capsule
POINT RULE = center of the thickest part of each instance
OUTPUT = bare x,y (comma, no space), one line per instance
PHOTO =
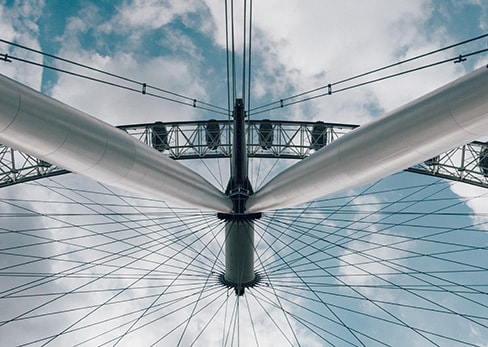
212,134
159,137
484,161
319,135
266,135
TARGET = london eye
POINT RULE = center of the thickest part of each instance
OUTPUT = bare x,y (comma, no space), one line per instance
242,227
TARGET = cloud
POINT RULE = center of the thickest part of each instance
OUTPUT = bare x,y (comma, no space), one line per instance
119,106
90,270
373,251
476,198
25,252
298,48
153,14
19,24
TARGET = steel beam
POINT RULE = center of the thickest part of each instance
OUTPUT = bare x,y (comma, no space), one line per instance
68,138
445,118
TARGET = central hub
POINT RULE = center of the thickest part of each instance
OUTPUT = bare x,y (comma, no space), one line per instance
239,226
240,290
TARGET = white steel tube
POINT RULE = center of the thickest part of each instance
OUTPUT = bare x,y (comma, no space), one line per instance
443,119
59,134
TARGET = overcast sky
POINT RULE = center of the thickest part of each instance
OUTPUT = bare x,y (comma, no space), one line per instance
180,46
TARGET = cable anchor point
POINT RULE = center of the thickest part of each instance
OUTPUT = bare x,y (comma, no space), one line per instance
6,59
459,59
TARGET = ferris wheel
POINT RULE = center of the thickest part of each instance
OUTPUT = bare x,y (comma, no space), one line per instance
250,232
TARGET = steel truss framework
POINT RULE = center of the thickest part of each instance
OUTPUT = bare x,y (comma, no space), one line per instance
265,139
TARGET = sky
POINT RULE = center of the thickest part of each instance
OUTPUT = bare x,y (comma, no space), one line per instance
180,46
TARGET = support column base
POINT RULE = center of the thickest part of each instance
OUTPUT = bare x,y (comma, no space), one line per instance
240,287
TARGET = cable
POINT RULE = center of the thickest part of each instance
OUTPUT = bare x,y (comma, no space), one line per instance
244,52
282,103
249,64
329,86
229,98
143,87
141,84
234,87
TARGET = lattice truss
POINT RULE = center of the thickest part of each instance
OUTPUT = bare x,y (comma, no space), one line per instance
265,139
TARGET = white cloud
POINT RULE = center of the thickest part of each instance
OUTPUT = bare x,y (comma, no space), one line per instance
118,106
19,24
372,252
136,18
152,14
297,48
476,198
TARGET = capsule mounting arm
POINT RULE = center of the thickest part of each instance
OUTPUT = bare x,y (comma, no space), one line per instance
59,134
443,119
